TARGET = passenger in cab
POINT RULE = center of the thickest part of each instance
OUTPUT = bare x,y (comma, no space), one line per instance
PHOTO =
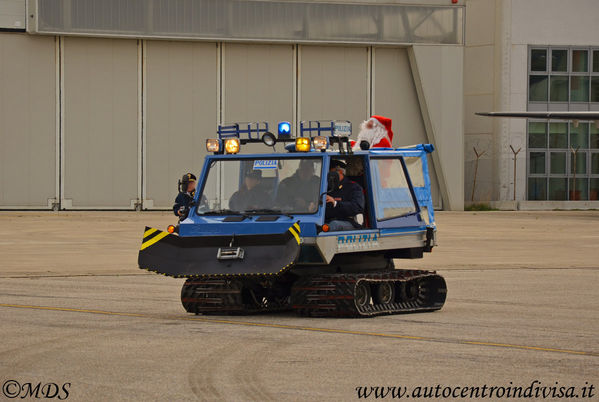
345,199
300,190
250,195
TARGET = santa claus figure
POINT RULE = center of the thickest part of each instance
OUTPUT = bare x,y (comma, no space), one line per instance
376,132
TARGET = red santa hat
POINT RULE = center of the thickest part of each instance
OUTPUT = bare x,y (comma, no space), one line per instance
376,131
385,122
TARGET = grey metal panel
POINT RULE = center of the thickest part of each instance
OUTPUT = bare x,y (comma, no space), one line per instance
259,20
437,72
100,123
395,97
258,84
181,101
27,120
334,84
12,14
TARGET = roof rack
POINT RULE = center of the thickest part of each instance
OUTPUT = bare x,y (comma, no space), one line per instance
246,132
315,128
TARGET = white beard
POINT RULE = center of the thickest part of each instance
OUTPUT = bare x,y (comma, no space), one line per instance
372,135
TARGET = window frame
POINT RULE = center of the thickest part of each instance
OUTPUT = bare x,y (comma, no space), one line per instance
376,187
590,105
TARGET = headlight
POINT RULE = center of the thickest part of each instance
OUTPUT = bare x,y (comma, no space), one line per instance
232,146
320,143
212,145
269,139
302,144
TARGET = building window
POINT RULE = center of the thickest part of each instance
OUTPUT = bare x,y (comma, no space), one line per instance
563,75
563,158
563,161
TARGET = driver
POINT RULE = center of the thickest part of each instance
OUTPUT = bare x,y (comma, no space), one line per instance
344,201
300,190
250,195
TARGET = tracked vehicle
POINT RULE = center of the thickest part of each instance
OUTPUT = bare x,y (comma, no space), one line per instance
269,248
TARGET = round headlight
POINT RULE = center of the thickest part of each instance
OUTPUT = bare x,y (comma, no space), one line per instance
269,139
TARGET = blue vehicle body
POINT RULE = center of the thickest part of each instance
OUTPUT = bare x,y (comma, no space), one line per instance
257,237
405,235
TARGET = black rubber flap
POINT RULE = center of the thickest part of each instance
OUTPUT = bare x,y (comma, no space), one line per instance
263,254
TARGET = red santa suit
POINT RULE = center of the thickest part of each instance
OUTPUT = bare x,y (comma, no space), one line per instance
376,131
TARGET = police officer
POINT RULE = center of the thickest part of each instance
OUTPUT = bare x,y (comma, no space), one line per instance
250,195
300,190
187,190
344,201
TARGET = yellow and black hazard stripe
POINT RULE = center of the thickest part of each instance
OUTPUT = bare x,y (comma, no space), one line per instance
295,231
152,236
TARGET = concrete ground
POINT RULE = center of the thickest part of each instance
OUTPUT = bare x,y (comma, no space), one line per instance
523,305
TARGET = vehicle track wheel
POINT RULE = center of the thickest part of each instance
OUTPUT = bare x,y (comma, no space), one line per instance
385,293
187,292
410,291
362,294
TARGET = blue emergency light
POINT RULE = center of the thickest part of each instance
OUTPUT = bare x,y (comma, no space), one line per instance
284,129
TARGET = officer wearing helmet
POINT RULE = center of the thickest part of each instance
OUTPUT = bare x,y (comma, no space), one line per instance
187,190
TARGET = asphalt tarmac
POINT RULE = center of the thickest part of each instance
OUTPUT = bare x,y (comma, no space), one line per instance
81,320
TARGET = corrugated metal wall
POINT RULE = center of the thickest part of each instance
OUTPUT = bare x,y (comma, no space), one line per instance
126,118
28,121
181,96
100,139
334,84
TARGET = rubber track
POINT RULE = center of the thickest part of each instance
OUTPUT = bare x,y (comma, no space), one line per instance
333,295
221,296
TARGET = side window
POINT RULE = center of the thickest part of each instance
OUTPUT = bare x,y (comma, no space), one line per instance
414,165
392,196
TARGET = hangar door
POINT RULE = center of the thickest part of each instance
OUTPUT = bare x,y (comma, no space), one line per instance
258,85
100,123
394,96
181,113
334,84
27,121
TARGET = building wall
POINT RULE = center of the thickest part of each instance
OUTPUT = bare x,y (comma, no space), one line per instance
394,95
100,138
479,95
28,121
113,123
498,35
180,113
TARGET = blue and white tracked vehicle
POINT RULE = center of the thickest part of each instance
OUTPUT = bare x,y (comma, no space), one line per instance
271,249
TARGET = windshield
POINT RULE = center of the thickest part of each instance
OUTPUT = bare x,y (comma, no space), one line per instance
289,186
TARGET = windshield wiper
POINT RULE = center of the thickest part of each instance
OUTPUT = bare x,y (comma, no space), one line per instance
268,211
225,212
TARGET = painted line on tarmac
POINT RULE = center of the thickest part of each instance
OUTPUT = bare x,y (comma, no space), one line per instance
310,329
